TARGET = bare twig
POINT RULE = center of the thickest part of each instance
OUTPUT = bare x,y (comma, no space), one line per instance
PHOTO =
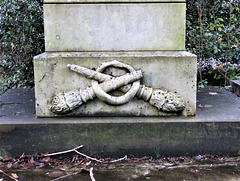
62,152
23,155
100,161
118,160
91,158
78,163
8,175
84,155
91,174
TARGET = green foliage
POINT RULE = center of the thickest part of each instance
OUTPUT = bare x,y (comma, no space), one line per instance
202,83
227,72
21,37
213,32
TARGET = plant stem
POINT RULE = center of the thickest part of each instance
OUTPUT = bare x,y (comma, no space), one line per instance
201,34
226,57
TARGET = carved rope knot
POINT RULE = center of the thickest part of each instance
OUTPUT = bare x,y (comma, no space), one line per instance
163,100
104,96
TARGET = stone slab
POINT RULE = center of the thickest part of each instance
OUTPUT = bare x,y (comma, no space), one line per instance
214,104
236,86
215,129
117,140
171,70
113,27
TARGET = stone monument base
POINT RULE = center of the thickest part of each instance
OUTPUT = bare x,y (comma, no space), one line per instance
174,71
214,130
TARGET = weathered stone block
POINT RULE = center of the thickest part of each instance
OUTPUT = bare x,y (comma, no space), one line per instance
172,70
113,26
235,86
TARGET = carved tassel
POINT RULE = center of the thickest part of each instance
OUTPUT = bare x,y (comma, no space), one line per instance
65,102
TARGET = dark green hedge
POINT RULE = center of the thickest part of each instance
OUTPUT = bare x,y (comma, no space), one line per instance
212,33
21,37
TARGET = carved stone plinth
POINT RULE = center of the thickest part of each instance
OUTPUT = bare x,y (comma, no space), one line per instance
142,42
170,71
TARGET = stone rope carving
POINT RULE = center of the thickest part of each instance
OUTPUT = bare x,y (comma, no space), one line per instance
163,100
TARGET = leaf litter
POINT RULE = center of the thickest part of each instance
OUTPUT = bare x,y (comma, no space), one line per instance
65,167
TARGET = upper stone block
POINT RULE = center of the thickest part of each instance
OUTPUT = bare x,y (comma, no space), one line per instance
113,1
92,26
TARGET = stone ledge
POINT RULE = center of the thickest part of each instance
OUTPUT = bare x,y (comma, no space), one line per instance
117,140
236,86
109,1
17,106
215,129
46,55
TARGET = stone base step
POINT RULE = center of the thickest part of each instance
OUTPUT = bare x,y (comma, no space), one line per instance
214,130
236,86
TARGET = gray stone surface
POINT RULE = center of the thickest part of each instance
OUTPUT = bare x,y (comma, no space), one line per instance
172,70
236,86
228,169
124,26
214,104
215,129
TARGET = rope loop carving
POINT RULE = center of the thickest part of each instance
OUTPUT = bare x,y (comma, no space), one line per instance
102,95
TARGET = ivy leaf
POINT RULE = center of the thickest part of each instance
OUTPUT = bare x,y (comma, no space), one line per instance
218,77
215,49
220,19
236,40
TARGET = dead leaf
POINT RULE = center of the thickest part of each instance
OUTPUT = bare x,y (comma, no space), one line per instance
193,170
14,175
206,105
37,170
213,93
31,161
25,166
9,165
46,160
56,174
220,67
15,165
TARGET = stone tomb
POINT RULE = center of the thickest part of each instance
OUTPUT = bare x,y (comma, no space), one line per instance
137,47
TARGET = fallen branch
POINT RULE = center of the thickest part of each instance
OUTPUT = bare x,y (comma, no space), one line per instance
91,174
62,152
82,154
8,175
118,160
91,158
